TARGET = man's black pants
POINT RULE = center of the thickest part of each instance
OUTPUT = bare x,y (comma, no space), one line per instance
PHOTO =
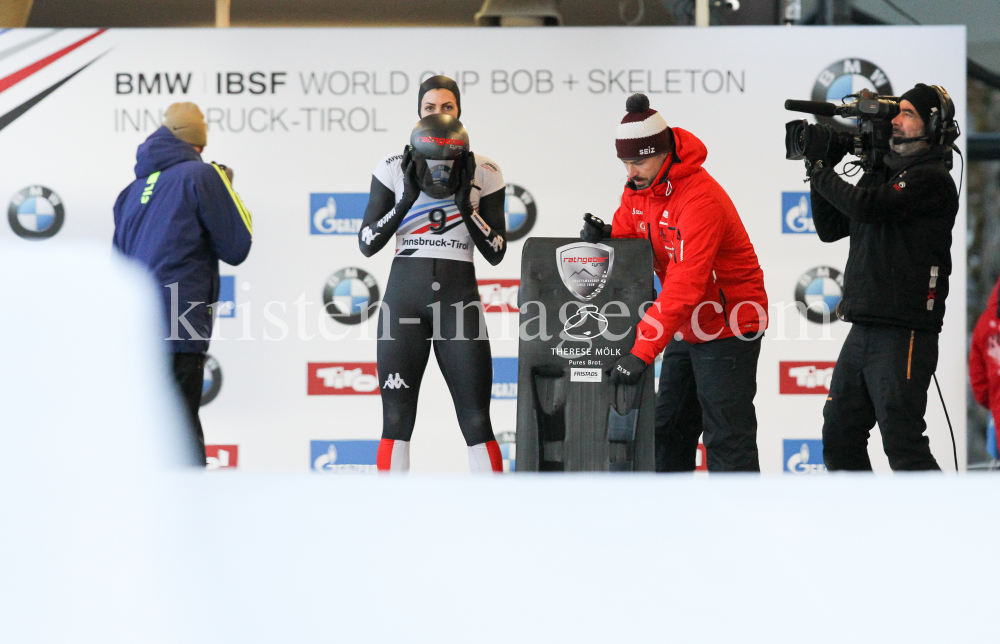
708,388
882,375
189,373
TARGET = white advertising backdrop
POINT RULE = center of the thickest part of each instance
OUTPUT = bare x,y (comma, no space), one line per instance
303,116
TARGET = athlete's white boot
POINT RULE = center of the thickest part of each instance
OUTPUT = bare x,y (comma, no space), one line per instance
485,458
393,456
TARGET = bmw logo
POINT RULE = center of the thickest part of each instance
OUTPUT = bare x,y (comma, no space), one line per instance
348,294
819,287
36,213
212,383
440,171
846,77
521,211
507,441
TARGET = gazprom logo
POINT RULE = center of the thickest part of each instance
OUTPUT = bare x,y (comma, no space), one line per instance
803,456
505,378
343,457
227,296
796,213
336,213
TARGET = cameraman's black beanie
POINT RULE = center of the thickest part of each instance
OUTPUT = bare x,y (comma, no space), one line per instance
439,82
923,99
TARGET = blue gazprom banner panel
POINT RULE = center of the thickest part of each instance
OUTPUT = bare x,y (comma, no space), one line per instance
304,115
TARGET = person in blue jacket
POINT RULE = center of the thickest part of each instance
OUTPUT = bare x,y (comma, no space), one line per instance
179,218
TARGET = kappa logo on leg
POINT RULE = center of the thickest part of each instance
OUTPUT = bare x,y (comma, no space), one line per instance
395,381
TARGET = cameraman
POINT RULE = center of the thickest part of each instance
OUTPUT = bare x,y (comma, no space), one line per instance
899,218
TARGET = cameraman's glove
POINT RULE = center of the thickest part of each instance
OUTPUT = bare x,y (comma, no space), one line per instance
594,230
411,186
627,371
835,157
819,145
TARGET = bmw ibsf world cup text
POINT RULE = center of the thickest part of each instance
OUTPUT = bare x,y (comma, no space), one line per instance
328,92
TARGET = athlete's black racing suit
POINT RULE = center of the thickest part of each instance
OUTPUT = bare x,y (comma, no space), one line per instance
432,297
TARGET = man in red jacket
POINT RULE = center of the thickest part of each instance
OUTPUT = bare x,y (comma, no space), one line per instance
984,357
712,310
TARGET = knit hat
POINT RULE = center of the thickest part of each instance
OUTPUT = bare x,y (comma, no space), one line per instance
186,122
643,132
923,99
439,82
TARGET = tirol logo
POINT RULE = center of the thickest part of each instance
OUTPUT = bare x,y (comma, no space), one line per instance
585,268
820,290
36,213
348,294
797,216
342,379
227,296
508,449
805,377
499,296
803,456
212,383
586,324
505,378
219,457
343,457
336,213
521,211
846,77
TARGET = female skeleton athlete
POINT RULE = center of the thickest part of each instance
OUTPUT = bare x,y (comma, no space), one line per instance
440,200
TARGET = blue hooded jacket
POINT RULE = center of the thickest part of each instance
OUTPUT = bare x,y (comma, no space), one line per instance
179,218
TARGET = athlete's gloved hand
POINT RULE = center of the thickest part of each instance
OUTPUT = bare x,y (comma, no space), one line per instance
594,230
411,186
466,173
627,371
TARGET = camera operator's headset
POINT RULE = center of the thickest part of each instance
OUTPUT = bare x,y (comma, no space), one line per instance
942,129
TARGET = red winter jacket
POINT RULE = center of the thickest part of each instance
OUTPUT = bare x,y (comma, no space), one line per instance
984,359
701,253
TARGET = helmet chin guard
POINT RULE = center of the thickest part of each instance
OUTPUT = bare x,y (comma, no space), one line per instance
437,142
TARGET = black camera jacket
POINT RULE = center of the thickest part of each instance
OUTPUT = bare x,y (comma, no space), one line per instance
899,220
